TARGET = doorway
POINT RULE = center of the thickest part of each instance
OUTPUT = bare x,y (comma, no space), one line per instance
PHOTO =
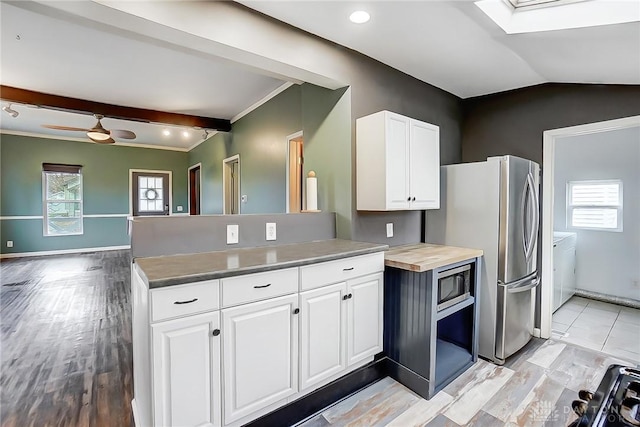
231,185
295,166
150,192
195,189
550,140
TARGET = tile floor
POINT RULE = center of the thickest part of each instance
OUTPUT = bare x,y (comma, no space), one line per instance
601,326
534,388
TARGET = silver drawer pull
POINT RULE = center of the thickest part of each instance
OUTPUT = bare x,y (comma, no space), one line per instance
347,269
262,286
186,302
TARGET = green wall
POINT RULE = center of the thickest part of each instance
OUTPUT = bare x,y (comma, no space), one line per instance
210,154
105,176
326,117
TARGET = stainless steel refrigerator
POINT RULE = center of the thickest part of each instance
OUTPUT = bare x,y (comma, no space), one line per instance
494,206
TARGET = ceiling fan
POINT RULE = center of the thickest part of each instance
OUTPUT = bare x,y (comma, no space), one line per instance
97,133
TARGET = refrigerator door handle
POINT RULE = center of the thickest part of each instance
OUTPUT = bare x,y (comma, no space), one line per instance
535,205
523,287
525,196
533,227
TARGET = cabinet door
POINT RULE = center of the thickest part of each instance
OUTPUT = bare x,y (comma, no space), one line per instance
567,256
397,159
557,277
186,371
364,317
260,355
424,165
323,333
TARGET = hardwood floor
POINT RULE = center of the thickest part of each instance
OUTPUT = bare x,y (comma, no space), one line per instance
65,336
66,340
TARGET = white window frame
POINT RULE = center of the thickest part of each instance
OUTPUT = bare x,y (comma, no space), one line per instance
571,207
45,203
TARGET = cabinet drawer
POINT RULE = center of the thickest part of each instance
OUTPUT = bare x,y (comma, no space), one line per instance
259,286
325,273
183,300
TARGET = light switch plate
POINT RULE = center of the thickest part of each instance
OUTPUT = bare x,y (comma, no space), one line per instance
9,243
232,234
390,229
271,231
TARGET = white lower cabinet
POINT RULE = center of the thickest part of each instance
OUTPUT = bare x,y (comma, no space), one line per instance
186,371
323,333
260,355
364,317
224,352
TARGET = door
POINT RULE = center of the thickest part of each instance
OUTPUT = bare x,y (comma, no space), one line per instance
397,161
260,355
150,193
514,316
194,190
295,179
186,371
231,185
323,334
364,318
424,165
519,218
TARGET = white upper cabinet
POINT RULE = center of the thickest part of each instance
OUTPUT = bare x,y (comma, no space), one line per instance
398,163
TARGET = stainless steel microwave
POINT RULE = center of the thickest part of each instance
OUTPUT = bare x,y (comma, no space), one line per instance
453,286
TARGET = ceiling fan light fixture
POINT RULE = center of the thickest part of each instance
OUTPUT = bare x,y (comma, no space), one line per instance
97,135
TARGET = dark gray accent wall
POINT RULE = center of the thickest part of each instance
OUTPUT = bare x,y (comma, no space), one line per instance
513,122
161,236
377,87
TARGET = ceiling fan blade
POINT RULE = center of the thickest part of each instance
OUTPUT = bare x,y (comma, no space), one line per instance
65,128
121,133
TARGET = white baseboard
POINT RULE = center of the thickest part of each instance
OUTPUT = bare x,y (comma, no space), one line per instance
536,332
64,251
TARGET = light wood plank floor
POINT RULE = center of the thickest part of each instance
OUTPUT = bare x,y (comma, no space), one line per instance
534,388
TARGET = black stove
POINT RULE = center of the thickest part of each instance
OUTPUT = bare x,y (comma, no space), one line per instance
615,403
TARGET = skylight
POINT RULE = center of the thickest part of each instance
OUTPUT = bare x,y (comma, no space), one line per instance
528,16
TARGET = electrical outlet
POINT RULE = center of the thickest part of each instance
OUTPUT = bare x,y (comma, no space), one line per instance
271,231
9,243
179,208
244,198
232,234
390,229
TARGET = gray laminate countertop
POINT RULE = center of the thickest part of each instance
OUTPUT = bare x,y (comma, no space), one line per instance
179,269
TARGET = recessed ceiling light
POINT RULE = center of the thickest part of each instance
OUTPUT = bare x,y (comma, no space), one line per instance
166,132
359,17
185,134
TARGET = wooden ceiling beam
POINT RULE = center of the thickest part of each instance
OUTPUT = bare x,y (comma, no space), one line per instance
75,105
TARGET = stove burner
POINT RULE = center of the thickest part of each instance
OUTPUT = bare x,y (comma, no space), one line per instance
630,410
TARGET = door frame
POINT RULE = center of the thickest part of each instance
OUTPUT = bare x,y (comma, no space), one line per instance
197,165
131,171
224,182
289,138
549,141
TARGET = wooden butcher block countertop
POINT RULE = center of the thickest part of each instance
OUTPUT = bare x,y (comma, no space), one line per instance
426,256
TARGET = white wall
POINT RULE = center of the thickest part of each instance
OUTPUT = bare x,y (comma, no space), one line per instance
606,262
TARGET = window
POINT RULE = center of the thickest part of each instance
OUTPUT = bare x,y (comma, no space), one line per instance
62,199
595,205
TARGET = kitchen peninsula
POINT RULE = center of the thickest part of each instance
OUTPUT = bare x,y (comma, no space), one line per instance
224,337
